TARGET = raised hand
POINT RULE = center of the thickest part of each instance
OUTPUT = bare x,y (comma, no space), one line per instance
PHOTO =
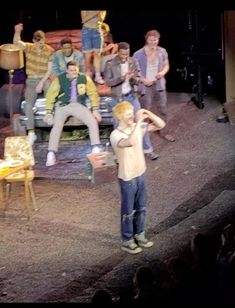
142,114
19,27
97,115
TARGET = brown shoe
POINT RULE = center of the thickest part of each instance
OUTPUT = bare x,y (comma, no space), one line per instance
169,137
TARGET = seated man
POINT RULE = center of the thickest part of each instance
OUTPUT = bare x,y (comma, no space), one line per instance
110,48
67,53
71,90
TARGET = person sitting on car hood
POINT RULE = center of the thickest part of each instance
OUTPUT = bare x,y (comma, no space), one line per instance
71,91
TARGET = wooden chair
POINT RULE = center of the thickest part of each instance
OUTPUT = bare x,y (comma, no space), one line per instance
18,148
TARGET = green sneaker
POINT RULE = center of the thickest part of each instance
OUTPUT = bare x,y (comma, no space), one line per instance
131,247
142,241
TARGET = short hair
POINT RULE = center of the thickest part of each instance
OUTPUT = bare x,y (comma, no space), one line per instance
66,40
152,33
72,63
120,108
38,36
123,45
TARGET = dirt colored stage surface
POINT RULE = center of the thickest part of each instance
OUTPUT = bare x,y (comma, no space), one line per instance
72,244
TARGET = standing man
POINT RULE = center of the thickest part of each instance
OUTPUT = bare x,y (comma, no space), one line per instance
67,53
71,90
154,65
122,74
92,41
127,143
38,69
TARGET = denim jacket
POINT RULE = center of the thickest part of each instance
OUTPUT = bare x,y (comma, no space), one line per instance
141,57
59,64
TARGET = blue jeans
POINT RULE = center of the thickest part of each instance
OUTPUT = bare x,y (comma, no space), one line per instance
133,206
147,145
91,39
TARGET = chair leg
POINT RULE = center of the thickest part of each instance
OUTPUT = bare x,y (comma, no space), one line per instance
8,191
27,197
33,196
1,191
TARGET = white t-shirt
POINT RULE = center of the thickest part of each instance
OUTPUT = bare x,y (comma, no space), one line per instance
68,59
131,160
152,70
126,87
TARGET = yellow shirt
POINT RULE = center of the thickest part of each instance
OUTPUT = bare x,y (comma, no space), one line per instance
37,60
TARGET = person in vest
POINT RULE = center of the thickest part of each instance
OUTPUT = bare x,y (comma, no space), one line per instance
71,90
154,65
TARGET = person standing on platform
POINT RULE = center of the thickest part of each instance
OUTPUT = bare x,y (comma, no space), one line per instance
122,74
92,42
70,91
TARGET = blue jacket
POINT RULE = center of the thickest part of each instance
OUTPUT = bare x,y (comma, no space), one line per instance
59,64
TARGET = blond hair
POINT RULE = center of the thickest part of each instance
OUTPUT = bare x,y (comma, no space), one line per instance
120,108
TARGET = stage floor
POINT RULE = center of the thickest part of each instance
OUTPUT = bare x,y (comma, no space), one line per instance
72,244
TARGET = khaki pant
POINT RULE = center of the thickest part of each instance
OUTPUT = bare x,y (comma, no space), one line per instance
156,101
79,111
30,99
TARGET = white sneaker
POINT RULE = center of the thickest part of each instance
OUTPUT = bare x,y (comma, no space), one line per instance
131,247
142,241
99,80
51,159
96,149
32,137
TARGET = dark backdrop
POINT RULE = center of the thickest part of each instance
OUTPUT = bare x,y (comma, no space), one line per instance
192,39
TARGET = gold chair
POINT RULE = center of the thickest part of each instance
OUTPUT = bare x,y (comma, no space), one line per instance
18,148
